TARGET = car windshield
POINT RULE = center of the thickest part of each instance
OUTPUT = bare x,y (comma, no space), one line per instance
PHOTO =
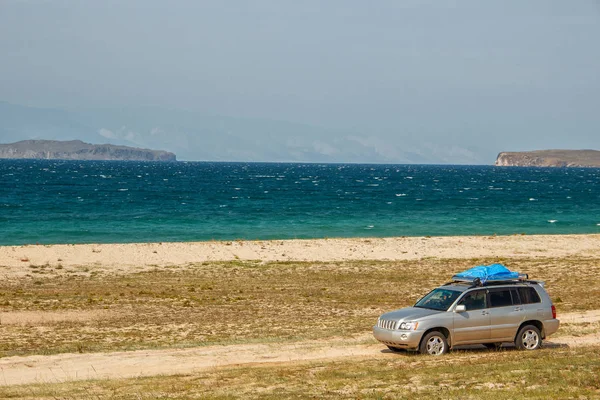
438,299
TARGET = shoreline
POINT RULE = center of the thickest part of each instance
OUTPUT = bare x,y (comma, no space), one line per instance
141,255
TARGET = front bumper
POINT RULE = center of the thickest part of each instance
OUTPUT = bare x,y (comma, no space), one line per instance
396,338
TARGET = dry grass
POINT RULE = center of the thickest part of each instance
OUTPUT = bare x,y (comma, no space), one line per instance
240,302
555,373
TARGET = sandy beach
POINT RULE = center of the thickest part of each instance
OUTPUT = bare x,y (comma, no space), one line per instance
142,255
161,309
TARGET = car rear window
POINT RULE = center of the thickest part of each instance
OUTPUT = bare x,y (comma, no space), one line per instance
500,298
529,295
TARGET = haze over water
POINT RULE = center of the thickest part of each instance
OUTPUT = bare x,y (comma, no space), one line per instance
47,202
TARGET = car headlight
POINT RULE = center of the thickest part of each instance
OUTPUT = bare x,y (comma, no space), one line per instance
408,326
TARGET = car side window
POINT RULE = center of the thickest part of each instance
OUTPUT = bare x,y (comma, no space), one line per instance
500,298
475,300
515,296
529,295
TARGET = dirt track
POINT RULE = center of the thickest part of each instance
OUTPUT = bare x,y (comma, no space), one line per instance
66,367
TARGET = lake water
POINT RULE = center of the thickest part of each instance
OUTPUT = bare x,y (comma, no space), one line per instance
48,201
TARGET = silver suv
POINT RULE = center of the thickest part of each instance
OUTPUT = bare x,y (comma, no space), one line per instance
464,313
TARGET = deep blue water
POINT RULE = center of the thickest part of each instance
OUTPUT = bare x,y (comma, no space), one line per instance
47,201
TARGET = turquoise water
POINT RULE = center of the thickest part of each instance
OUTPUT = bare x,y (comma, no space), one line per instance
46,201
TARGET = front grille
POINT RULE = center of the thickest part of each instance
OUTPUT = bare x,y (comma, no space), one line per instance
386,324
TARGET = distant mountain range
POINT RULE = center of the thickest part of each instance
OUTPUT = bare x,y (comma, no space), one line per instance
550,158
194,136
78,150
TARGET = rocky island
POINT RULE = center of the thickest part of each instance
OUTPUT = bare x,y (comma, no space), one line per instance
550,158
78,150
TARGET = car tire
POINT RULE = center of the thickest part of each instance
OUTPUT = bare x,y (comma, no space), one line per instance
395,349
493,346
528,338
434,344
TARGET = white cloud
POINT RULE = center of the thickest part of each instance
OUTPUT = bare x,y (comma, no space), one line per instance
123,133
107,133
156,131
380,146
324,148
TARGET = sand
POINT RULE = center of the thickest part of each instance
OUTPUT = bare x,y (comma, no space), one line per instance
132,257
140,255
116,365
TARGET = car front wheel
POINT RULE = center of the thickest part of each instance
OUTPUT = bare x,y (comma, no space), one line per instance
434,343
529,338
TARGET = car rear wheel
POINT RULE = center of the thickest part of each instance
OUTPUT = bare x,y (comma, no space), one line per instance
529,338
434,343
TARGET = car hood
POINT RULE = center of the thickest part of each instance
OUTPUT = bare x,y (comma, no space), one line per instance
409,314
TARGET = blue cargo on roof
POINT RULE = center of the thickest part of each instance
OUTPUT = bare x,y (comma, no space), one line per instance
494,272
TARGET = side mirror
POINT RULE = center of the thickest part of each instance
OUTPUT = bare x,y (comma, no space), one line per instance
460,308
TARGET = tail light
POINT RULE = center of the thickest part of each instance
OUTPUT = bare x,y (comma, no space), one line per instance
553,312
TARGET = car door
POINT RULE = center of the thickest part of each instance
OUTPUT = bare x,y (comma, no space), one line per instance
472,325
506,313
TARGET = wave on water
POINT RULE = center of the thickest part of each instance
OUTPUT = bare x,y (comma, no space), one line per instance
83,202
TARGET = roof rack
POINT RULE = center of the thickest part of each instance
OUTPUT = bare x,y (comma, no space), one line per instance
490,282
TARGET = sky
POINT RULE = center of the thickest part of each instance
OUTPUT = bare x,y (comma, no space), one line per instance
433,76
